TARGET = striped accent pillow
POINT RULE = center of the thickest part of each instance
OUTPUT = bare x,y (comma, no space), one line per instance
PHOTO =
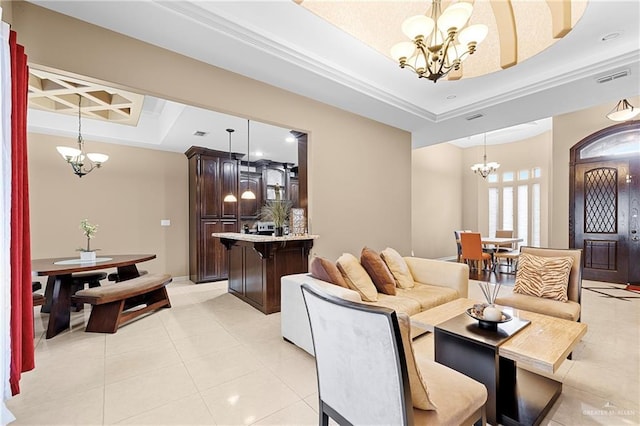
546,277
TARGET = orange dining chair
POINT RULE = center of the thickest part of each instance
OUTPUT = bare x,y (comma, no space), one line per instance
472,250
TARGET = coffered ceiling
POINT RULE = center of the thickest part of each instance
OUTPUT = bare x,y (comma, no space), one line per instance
286,45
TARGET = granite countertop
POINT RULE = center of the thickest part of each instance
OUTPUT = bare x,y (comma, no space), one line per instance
261,238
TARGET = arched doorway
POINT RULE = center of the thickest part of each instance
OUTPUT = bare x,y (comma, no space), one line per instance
604,208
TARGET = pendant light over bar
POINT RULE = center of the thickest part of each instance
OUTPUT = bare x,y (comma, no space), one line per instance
248,194
230,198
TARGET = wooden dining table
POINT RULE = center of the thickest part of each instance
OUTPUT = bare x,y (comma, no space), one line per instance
496,241
59,282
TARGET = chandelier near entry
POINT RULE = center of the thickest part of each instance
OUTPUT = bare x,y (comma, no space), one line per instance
80,162
484,169
623,111
438,43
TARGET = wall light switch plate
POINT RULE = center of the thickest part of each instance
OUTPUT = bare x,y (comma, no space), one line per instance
165,222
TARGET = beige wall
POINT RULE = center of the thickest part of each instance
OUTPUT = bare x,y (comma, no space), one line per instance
568,130
127,198
436,199
359,170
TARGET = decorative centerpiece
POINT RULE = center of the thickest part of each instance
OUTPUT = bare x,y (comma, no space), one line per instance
89,231
487,314
276,211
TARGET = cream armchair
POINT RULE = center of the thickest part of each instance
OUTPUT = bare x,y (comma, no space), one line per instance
369,374
569,310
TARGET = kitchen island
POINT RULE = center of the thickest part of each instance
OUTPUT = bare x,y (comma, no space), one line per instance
257,262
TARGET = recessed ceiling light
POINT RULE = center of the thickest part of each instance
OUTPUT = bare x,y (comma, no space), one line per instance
610,36
451,97
199,133
258,154
290,139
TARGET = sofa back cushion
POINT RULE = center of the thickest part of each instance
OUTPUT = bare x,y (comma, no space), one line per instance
356,277
545,277
325,270
378,271
398,268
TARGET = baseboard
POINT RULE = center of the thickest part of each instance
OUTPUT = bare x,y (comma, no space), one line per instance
448,258
181,278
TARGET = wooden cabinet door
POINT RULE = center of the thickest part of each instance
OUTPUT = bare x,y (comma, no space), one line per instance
253,280
228,174
294,191
214,260
209,246
273,177
236,273
222,257
209,187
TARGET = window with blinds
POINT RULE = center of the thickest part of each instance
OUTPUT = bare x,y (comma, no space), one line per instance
514,204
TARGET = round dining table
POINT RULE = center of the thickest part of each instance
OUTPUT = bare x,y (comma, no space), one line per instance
58,290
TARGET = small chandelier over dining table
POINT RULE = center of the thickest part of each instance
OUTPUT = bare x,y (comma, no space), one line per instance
81,162
438,43
484,169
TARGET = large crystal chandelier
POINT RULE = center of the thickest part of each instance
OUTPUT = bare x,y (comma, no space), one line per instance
438,43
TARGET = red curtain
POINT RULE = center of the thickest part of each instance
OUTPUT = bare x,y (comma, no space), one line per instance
22,354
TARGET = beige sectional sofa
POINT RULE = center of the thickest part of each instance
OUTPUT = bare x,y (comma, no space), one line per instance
436,282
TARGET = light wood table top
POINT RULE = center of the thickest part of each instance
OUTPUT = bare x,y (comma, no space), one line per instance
543,345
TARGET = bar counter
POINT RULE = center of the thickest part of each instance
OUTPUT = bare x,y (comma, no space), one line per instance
257,262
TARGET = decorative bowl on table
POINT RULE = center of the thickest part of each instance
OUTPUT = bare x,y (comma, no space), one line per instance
477,313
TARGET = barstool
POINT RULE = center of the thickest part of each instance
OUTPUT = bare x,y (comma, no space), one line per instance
80,279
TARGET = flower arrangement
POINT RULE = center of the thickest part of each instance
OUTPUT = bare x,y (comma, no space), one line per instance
89,231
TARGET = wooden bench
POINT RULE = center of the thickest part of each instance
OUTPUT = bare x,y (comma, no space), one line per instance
113,303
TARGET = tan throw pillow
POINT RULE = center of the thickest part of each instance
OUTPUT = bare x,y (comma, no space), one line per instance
419,391
378,271
356,277
546,277
326,270
398,268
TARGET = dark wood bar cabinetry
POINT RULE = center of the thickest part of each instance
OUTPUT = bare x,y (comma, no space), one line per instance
257,262
212,175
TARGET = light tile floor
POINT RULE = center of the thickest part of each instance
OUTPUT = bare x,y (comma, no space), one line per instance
212,359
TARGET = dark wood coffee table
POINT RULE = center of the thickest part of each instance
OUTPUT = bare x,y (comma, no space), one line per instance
515,396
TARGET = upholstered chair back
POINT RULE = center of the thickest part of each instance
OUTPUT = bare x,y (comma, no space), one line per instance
504,233
361,367
471,245
574,287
